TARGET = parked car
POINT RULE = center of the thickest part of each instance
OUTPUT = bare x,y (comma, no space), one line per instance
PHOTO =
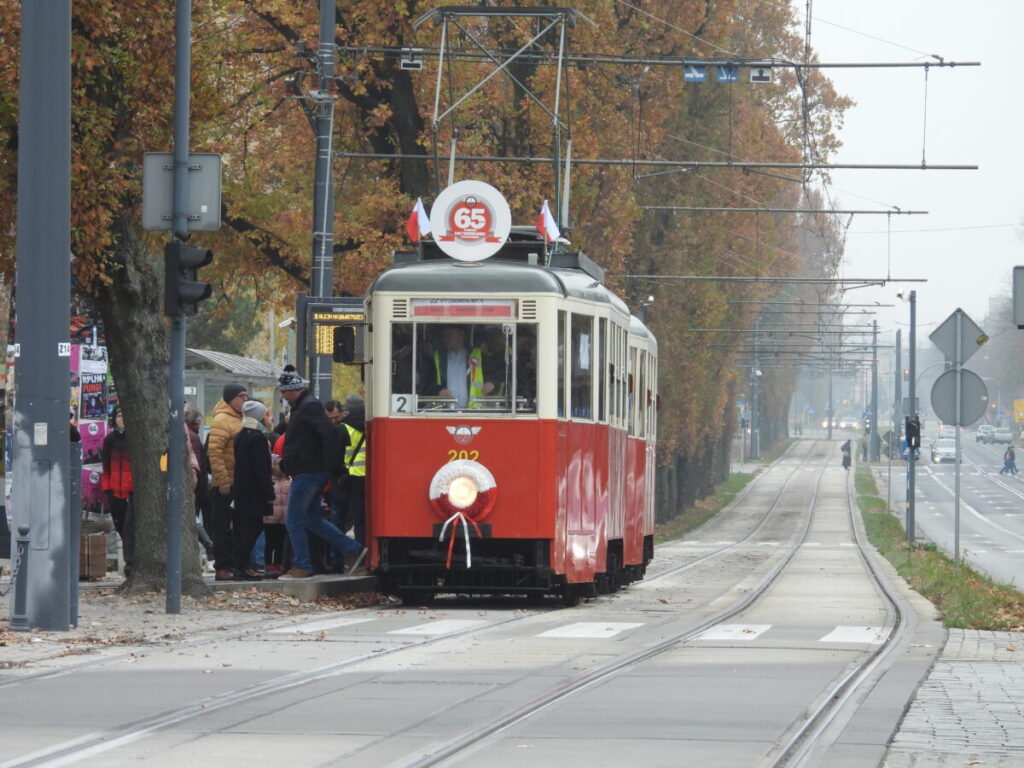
1001,435
984,433
943,449
848,422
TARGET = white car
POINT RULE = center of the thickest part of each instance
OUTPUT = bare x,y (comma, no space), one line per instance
943,449
983,433
1001,435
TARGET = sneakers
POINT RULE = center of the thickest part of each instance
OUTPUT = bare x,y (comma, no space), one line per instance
357,562
294,574
225,576
274,570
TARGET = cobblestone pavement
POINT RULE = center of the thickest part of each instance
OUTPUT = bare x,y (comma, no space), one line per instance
970,710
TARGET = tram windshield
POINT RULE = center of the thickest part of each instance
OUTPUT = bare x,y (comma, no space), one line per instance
473,367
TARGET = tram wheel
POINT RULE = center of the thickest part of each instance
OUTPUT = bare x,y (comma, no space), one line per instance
571,596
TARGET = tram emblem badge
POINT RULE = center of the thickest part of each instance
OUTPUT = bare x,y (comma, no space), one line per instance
463,435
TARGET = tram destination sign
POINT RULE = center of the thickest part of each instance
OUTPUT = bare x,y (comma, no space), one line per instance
443,307
470,220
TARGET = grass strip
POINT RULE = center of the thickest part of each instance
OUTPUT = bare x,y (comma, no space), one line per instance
965,598
703,510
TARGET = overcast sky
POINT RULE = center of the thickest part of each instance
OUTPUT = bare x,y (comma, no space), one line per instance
970,240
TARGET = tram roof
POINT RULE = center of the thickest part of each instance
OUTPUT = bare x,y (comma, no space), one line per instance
444,275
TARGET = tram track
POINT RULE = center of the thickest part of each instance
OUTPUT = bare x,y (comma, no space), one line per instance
259,627
440,751
807,738
110,739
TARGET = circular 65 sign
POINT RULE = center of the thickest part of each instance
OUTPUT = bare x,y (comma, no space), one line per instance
470,220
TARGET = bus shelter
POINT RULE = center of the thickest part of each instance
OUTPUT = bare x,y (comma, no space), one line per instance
207,371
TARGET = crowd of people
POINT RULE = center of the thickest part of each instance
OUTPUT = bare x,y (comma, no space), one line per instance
276,501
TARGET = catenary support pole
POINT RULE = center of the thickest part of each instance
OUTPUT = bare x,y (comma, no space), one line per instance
913,411
322,276
873,440
40,457
176,377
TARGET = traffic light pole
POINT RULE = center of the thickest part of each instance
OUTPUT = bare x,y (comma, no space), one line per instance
176,377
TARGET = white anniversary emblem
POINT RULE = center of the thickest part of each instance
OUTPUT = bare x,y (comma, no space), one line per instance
470,220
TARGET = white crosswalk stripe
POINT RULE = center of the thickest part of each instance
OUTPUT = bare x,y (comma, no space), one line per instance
311,627
442,627
870,635
590,629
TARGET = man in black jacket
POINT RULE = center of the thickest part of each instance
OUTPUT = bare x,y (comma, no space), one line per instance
310,448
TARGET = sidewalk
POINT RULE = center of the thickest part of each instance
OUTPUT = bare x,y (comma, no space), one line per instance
970,708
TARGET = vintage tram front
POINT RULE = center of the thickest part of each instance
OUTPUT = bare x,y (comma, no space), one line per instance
511,420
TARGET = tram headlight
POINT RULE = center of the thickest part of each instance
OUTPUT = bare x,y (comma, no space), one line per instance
462,492
465,487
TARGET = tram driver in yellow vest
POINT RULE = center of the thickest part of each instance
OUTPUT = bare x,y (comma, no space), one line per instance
460,370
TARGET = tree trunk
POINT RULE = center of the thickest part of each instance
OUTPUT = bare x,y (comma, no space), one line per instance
137,342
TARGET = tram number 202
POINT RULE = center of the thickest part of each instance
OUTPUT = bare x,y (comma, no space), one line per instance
454,455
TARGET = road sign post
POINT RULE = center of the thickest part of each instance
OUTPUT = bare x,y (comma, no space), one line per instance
959,338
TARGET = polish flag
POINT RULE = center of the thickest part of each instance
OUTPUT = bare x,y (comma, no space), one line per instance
418,223
546,224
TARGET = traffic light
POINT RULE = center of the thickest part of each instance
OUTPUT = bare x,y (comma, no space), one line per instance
182,291
912,429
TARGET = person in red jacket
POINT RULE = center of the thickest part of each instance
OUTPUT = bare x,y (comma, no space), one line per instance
117,487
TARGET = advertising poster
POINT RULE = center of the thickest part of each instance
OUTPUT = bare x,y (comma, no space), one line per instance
92,493
94,359
111,395
93,434
76,391
94,396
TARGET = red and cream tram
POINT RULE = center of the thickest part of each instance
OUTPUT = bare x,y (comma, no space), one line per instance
511,422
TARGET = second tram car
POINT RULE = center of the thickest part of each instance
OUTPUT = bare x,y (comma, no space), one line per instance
511,417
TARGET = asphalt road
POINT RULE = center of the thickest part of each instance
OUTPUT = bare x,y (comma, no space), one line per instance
991,507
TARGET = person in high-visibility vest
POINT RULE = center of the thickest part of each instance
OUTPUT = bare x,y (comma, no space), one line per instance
460,371
348,487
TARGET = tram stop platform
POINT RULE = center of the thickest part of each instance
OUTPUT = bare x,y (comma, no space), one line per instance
305,590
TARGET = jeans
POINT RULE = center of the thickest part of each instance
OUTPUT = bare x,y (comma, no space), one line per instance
258,554
304,514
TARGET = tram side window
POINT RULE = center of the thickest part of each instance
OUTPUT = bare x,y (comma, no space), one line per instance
561,363
582,361
631,394
601,348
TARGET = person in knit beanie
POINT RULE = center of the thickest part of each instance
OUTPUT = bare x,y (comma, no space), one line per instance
220,449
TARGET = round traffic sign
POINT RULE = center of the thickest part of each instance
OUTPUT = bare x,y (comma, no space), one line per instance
470,220
973,397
